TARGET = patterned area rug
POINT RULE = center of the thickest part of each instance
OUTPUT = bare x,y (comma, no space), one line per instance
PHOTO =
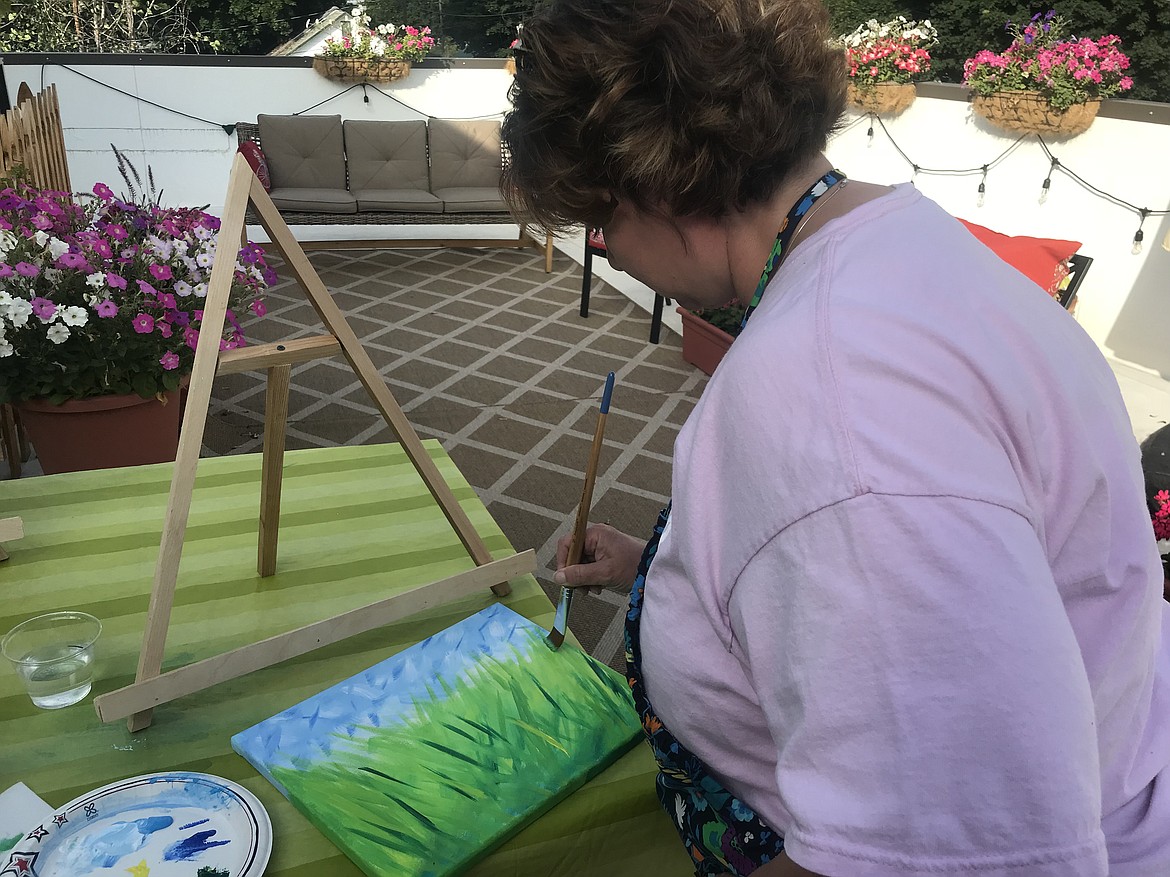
488,354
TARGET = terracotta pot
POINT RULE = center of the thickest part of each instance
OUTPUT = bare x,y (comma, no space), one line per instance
883,98
703,345
361,69
1028,112
104,432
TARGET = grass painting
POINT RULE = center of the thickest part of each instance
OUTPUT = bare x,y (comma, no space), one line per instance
426,761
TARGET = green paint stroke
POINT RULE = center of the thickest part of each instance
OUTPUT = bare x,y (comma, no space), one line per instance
433,794
212,872
7,843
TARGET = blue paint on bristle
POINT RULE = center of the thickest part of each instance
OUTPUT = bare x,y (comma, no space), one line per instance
607,393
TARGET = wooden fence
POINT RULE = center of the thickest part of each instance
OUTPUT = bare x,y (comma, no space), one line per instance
31,137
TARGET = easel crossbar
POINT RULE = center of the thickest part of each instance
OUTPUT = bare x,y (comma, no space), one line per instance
149,693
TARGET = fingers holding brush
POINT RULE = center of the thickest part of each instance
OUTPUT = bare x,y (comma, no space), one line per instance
609,559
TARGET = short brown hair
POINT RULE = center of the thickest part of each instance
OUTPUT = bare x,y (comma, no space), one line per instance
698,106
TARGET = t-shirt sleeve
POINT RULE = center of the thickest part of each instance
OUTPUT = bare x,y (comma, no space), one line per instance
924,690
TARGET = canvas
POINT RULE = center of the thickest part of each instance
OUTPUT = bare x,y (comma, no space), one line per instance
428,760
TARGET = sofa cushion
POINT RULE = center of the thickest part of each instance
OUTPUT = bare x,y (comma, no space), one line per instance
397,201
465,154
471,199
386,155
304,152
313,200
254,155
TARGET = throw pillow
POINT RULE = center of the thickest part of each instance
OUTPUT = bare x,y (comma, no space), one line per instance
254,155
1042,260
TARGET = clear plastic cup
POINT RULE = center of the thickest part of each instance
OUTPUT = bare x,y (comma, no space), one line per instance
53,656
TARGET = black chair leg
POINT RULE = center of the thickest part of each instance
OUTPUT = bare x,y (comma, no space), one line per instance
586,281
656,319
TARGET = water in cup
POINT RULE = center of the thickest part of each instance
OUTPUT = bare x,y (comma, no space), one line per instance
57,675
53,656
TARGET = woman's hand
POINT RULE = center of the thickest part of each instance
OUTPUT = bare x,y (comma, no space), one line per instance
609,559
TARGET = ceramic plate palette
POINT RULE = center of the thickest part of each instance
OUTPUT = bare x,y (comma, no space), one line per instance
174,824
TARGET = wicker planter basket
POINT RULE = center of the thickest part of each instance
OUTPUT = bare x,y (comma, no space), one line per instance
361,69
883,98
1028,112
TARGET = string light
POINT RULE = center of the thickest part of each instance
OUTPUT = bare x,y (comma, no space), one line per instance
1139,234
1048,181
1056,165
869,133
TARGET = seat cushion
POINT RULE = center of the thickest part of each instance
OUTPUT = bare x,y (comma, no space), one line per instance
386,155
303,152
464,154
471,199
397,200
314,200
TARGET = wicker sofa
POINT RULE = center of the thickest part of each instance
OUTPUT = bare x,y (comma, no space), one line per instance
327,171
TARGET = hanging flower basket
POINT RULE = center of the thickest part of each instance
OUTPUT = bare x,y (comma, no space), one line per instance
883,98
361,69
1028,112
510,65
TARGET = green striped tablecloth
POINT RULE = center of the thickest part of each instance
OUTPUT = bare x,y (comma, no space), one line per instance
357,525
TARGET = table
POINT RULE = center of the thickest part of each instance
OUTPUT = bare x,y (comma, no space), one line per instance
357,524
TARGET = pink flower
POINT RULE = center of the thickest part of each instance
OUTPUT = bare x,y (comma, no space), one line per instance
167,300
164,328
161,272
259,308
118,232
169,360
116,281
44,223
24,269
72,260
43,308
5,269
107,308
103,191
146,289
191,337
101,248
143,324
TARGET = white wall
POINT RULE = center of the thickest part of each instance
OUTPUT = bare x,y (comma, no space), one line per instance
1123,302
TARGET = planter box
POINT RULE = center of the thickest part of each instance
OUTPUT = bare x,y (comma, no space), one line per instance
703,345
883,98
361,69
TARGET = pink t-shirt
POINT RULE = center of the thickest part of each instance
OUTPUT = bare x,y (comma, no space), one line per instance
908,604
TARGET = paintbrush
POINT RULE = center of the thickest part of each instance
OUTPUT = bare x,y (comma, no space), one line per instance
556,636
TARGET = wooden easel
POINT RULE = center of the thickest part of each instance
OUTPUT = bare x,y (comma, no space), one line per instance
151,689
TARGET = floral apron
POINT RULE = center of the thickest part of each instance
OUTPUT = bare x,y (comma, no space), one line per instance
721,833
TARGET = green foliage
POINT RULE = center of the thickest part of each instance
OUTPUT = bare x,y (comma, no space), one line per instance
118,26
729,318
481,28
244,27
410,795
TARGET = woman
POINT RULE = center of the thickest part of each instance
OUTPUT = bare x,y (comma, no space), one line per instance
904,614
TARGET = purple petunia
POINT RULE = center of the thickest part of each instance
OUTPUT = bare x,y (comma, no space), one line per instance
143,324
43,308
25,269
103,191
73,260
116,281
107,308
5,269
161,272
169,360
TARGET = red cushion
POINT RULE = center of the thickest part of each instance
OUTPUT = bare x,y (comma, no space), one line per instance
593,238
254,155
1039,259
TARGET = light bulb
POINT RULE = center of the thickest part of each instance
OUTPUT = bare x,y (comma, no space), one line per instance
1044,190
979,200
1137,242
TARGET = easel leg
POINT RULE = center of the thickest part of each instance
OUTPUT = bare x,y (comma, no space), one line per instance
9,441
548,253
275,420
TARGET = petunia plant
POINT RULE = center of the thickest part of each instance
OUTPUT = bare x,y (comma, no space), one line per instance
390,42
1064,69
100,295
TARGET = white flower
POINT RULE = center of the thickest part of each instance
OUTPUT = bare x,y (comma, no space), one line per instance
182,287
53,275
19,311
58,333
204,260
41,238
74,316
180,247
96,280
1164,546
57,248
200,290
5,349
